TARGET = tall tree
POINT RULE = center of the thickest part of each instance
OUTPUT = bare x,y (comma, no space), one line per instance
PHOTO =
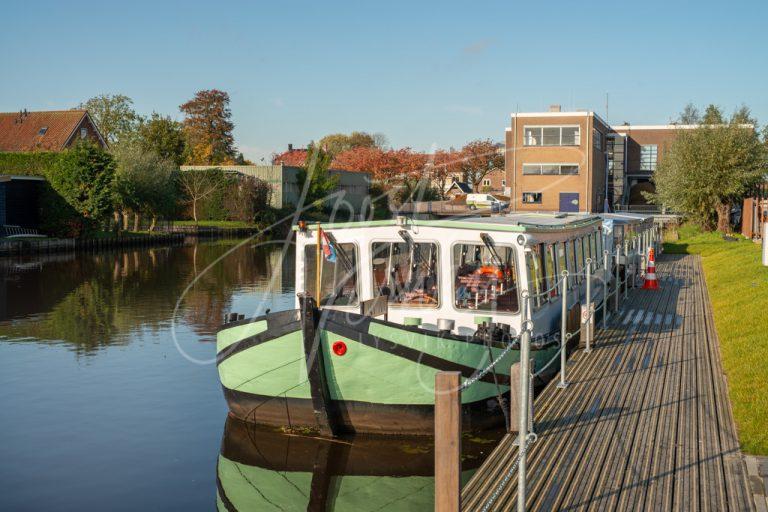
444,168
689,115
163,136
113,114
479,158
208,126
707,170
83,176
336,143
315,169
145,183
713,115
743,115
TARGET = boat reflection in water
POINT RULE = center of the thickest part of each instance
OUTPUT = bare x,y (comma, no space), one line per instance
260,469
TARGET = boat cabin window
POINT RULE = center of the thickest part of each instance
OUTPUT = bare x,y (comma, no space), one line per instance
484,281
579,253
338,275
599,247
406,272
550,269
562,260
535,262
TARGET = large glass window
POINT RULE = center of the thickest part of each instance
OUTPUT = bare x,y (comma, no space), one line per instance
406,272
550,169
649,154
338,278
551,136
484,279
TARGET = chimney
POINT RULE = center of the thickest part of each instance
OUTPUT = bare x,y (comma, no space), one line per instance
555,108
290,147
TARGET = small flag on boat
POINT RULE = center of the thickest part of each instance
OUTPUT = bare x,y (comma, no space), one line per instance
329,251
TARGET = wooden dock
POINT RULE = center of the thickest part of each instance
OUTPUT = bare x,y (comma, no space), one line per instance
645,423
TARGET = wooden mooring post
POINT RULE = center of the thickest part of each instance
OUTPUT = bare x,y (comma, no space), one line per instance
447,441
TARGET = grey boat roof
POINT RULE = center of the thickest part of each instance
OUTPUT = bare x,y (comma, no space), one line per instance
626,218
517,222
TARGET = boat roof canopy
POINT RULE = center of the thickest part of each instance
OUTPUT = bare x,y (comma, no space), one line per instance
515,222
626,218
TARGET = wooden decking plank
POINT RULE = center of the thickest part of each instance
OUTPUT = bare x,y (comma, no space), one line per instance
544,410
736,489
579,495
658,443
660,487
612,367
672,444
582,392
636,474
609,484
712,484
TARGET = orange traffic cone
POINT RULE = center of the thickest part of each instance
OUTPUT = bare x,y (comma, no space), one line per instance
650,275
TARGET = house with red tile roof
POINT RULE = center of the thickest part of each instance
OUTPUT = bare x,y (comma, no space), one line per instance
54,130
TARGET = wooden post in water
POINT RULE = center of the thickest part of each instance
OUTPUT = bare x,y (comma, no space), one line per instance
318,266
447,442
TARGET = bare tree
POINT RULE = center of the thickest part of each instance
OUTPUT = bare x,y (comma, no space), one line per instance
199,184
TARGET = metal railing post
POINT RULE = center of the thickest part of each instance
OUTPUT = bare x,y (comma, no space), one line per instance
563,333
589,306
626,272
606,274
522,429
617,289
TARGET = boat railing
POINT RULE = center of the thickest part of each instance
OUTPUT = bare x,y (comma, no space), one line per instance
448,388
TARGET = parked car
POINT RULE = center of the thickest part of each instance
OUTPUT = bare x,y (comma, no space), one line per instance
475,201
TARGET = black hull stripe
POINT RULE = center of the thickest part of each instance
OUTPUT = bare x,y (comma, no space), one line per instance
410,354
354,416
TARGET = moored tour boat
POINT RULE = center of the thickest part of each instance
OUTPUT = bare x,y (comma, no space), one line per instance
385,305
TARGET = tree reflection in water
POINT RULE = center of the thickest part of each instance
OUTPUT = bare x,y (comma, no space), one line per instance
91,300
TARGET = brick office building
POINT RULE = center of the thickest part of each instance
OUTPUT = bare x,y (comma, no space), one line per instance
576,161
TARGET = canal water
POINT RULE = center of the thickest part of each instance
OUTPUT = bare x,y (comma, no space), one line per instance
109,397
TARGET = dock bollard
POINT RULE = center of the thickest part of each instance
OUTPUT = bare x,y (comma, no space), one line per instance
448,441
563,333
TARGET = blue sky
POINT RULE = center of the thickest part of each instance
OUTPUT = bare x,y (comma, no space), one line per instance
423,73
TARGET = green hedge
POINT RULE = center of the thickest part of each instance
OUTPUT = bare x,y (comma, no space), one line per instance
28,164
57,217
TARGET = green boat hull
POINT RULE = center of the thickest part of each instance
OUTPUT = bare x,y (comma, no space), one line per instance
383,382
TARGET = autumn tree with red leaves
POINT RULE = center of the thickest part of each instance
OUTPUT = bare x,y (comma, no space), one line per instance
208,127
479,158
384,165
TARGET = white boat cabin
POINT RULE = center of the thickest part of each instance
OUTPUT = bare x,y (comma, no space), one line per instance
468,270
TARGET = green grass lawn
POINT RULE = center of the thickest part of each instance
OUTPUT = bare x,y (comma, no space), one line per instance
215,223
738,288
